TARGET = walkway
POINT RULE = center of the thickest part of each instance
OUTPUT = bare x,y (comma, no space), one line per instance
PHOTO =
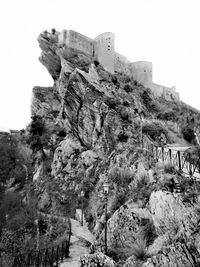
178,156
80,241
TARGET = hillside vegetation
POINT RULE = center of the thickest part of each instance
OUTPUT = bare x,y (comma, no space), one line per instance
88,129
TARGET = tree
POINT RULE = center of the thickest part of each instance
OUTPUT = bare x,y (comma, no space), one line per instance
11,162
39,137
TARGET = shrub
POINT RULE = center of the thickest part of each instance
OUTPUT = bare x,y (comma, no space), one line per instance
154,129
122,137
139,249
141,189
39,137
148,231
188,133
149,101
168,115
128,88
120,199
115,80
169,168
120,176
191,193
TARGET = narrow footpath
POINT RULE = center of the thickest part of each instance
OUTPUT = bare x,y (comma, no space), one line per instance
79,245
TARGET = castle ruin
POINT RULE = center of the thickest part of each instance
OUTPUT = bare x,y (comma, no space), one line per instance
102,50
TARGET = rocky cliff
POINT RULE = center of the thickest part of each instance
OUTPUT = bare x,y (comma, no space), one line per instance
95,123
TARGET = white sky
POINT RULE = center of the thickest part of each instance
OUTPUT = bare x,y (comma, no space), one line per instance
165,32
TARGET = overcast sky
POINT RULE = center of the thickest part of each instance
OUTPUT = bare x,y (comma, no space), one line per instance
165,32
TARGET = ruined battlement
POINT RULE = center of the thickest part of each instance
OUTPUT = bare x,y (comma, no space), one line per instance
102,49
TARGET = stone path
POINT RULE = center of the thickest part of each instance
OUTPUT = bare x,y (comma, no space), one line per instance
80,241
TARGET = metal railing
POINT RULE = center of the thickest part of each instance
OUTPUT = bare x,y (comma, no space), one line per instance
182,160
46,257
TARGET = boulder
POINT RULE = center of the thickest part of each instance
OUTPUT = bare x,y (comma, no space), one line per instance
125,226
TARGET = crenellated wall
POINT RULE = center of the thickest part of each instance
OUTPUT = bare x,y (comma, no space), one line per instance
102,49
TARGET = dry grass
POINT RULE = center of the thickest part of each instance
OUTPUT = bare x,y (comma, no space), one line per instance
139,250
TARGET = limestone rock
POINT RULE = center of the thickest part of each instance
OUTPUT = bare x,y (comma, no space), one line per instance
132,262
49,57
125,225
65,155
169,213
44,201
176,255
44,102
97,259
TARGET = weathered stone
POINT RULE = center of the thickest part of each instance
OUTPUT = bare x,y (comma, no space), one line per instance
63,156
169,213
45,103
125,225
97,259
176,255
49,57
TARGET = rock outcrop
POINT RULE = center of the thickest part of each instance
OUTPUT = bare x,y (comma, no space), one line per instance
97,259
96,126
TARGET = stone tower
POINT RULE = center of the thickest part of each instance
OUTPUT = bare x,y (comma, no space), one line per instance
104,50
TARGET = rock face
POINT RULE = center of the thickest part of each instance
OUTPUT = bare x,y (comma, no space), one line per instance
125,225
95,122
169,213
177,255
45,102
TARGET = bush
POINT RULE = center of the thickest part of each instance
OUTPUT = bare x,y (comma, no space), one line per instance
188,133
120,176
120,199
169,168
168,116
148,231
128,88
140,249
141,190
148,101
154,129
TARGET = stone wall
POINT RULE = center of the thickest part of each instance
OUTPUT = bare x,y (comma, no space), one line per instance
121,64
102,49
76,40
105,50
142,72
166,92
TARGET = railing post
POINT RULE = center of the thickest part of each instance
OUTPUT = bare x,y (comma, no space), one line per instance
179,160
152,148
156,153
66,249
62,251
170,155
45,257
162,149
190,164
52,257
57,256
15,262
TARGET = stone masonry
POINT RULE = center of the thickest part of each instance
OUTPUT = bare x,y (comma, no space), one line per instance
102,50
